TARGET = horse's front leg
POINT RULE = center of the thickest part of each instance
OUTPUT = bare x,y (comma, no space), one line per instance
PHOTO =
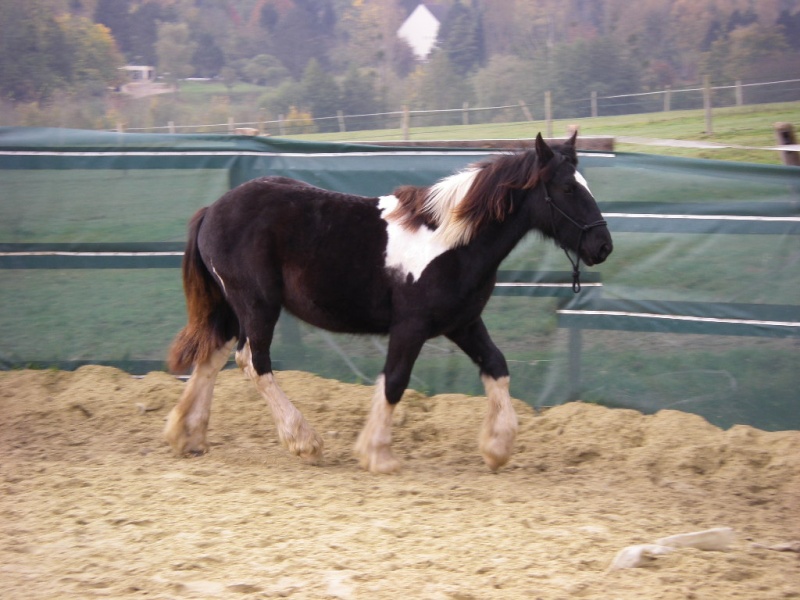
373,448
496,439
187,423
499,429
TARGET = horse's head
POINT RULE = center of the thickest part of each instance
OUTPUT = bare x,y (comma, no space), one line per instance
570,215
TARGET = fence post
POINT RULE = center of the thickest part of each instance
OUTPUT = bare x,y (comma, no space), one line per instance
404,124
525,110
548,114
786,137
231,126
171,126
281,125
465,113
575,343
594,103
739,94
340,118
667,98
707,104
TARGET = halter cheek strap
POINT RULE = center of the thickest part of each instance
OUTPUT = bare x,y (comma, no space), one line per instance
576,264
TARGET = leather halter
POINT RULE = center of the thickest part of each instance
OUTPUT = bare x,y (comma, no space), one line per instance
583,228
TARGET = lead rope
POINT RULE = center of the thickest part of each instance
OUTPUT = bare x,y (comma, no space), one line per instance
576,264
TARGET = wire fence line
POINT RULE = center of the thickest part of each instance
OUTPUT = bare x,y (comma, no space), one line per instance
397,124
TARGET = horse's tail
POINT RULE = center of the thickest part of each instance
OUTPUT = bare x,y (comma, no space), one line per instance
211,320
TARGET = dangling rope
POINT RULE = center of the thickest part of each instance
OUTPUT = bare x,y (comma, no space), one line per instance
576,264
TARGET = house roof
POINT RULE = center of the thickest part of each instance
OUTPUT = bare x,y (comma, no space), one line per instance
421,29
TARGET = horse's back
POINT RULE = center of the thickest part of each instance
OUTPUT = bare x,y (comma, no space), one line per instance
322,251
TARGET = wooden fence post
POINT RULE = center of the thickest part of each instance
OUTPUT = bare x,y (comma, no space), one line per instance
707,104
171,126
340,118
786,137
548,114
667,98
575,347
739,94
525,110
465,113
594,103
404,125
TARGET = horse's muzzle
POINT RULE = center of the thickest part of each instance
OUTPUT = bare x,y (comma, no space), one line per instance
594,254
604,252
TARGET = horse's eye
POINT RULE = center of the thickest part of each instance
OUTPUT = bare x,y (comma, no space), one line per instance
569,188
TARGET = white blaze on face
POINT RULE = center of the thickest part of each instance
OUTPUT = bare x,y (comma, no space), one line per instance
582,181
408,251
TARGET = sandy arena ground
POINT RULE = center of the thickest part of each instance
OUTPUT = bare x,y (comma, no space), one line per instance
94,505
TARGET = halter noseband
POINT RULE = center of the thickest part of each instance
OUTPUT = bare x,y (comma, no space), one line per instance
576,264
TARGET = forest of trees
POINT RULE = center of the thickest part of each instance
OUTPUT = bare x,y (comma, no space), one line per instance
323,56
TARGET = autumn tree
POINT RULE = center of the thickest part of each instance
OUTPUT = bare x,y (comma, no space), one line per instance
91,52
321,94
461,38
174,50
740,54
40,54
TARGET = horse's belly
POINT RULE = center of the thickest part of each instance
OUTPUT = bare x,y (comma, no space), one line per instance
344,313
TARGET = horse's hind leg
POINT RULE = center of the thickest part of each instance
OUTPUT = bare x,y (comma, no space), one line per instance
187,423
499,429
294,432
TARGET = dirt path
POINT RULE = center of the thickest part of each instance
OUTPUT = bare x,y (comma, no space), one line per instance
94,505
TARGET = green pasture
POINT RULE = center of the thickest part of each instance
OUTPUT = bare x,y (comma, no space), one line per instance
745,126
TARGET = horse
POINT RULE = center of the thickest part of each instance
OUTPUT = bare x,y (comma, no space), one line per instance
415,264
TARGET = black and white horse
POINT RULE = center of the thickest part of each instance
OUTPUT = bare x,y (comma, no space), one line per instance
416,264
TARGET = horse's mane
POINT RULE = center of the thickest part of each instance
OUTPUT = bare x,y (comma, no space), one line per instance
460,205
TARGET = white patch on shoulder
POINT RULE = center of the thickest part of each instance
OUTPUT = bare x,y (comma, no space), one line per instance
408,252
582,180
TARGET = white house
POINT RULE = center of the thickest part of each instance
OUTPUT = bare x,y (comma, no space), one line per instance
138,73
420,31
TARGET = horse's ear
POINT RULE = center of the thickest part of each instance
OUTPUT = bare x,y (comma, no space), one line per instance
569,146
543,151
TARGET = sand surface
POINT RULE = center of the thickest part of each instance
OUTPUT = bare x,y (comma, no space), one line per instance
93,503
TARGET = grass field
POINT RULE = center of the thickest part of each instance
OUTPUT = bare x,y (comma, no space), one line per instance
744,127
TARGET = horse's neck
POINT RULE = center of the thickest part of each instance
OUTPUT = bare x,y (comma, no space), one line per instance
496,241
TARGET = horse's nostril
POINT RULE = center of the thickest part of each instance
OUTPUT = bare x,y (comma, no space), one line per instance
605,250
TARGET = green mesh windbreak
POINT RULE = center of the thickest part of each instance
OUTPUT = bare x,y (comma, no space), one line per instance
697,309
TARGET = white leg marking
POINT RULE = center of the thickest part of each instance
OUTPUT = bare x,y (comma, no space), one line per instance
496,440
373,446
187,422
294,432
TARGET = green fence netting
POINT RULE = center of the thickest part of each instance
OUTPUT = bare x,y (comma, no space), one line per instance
698,309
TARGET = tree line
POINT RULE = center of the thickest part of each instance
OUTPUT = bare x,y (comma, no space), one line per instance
323,56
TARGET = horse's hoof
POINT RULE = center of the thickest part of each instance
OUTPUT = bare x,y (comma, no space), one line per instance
306,444
312,458
497,451
380,461
495,462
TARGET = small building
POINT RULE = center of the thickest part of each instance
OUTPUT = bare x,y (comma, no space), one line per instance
140,73
421,29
